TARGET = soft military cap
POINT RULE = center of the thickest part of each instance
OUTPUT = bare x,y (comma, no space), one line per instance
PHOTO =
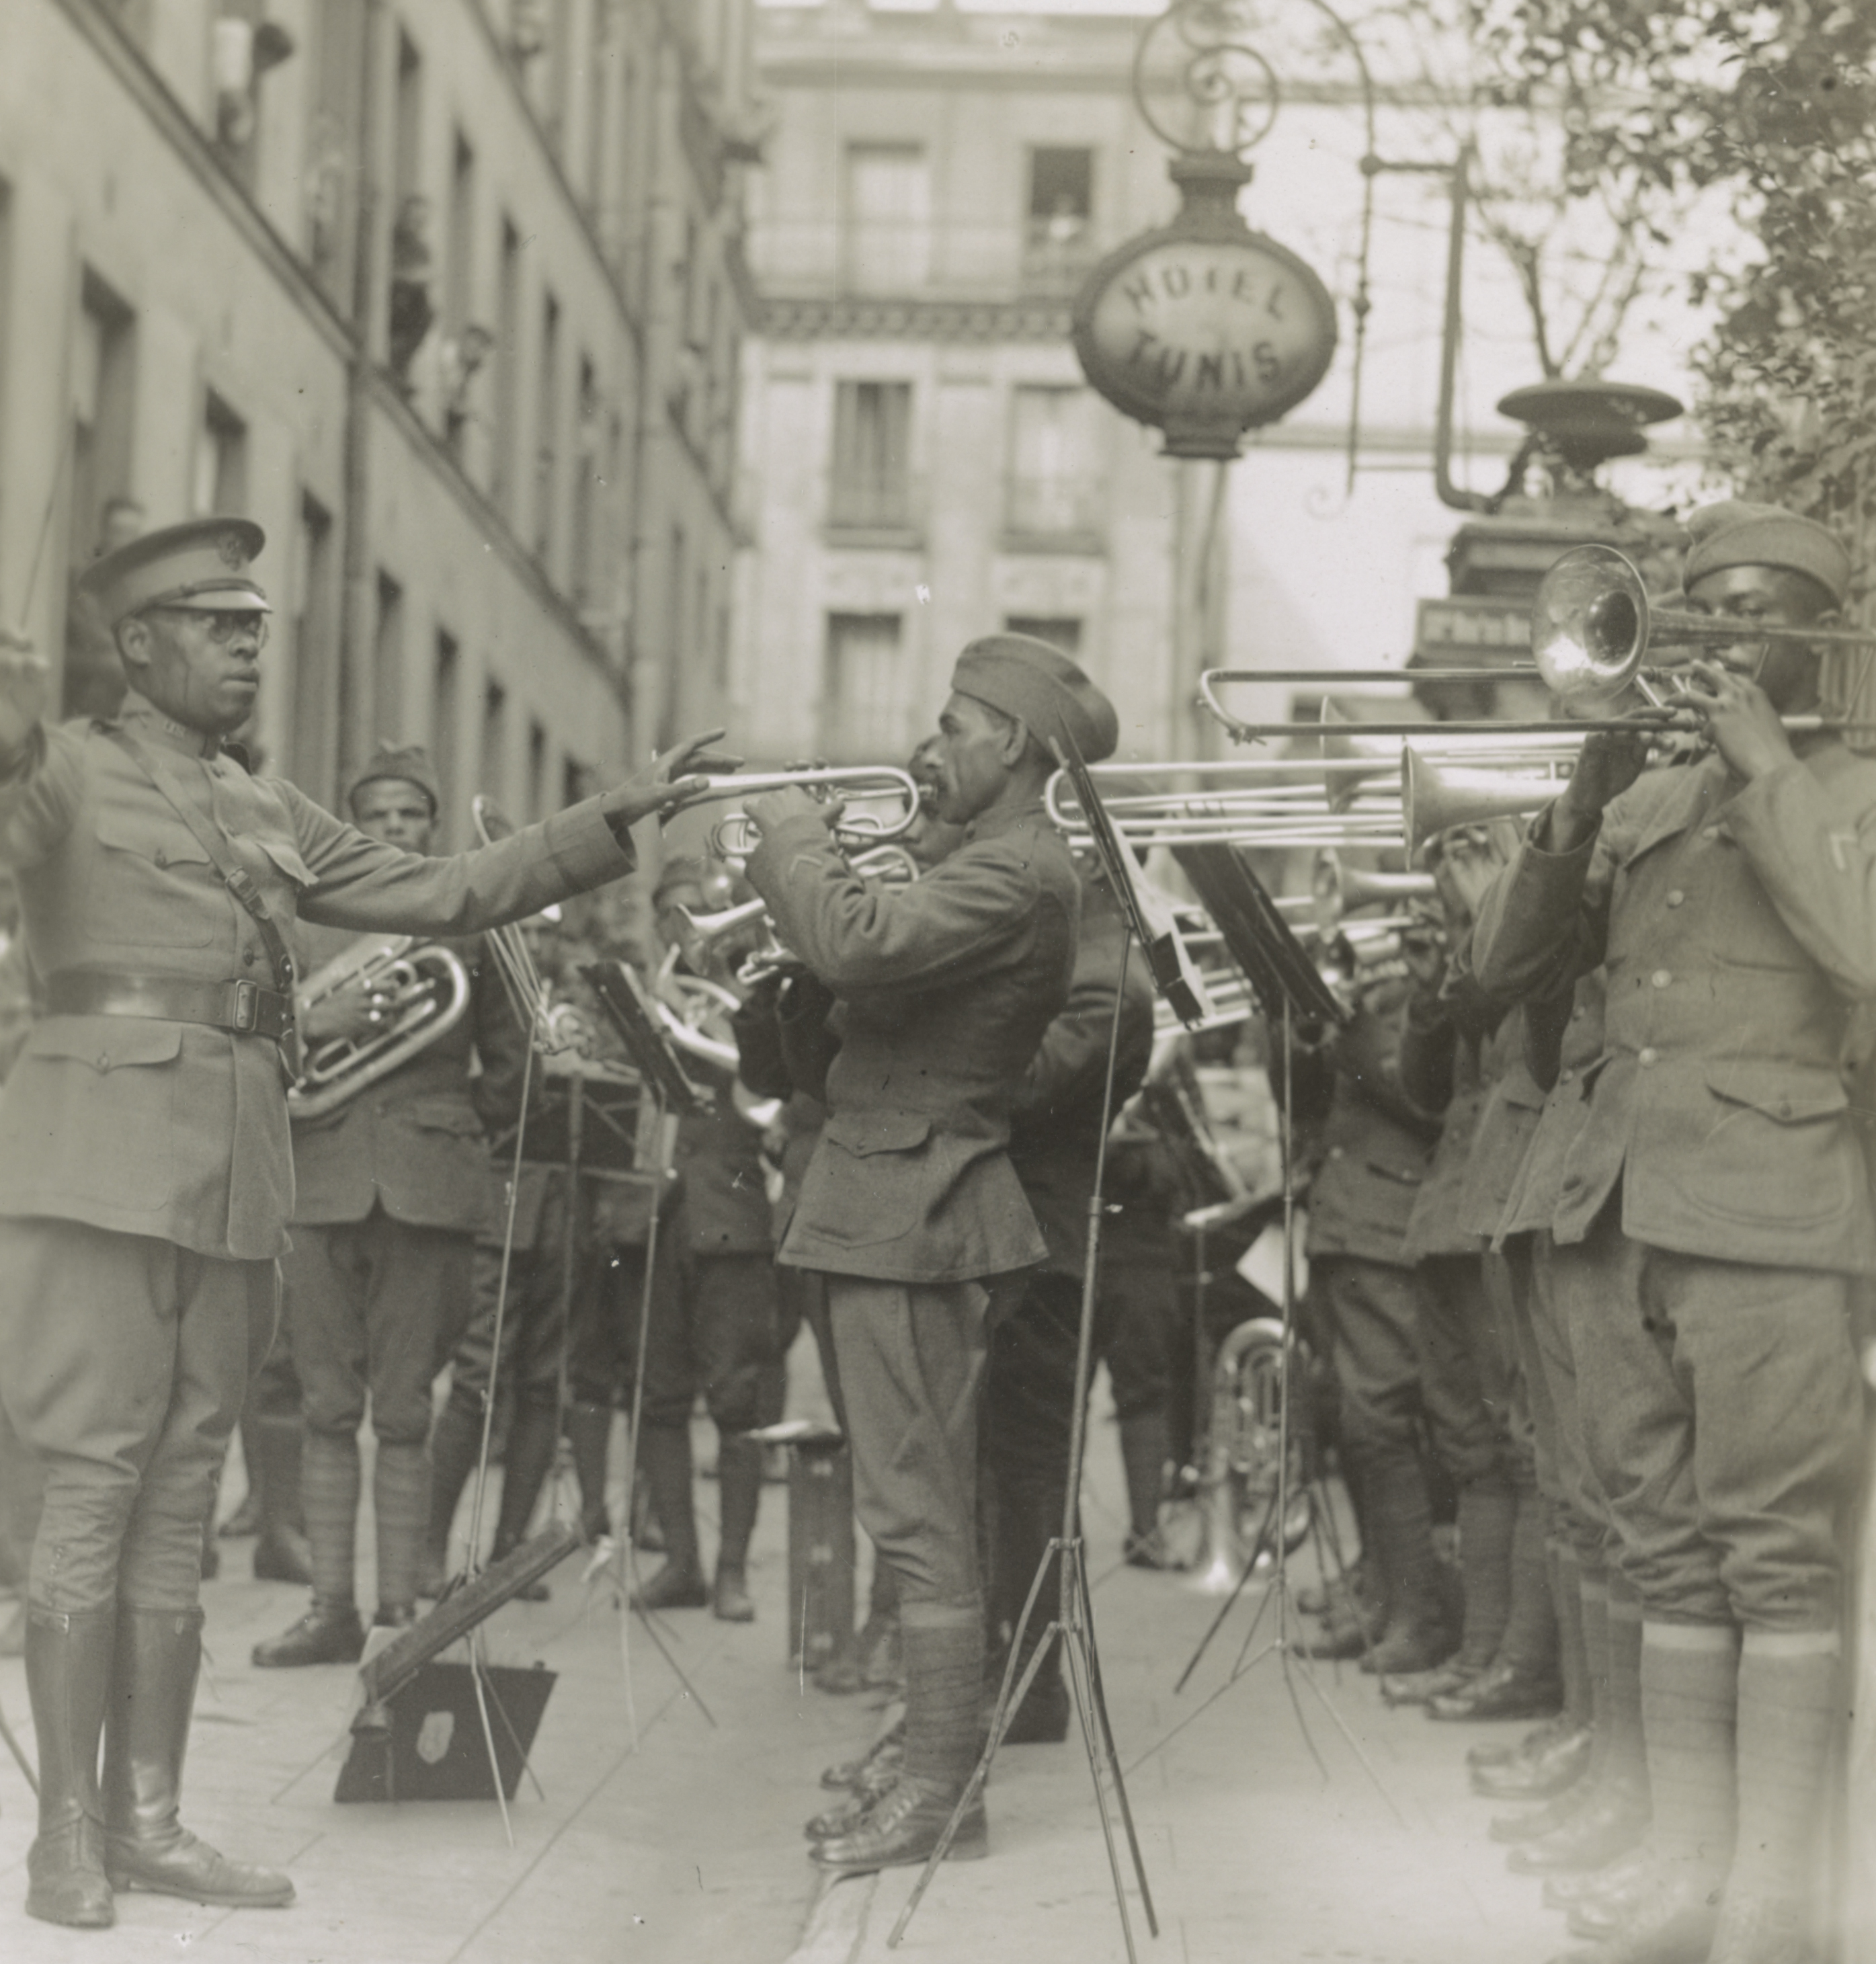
1737,533
1037,684
202,565
409,763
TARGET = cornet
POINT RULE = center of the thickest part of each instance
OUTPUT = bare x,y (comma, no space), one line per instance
736,837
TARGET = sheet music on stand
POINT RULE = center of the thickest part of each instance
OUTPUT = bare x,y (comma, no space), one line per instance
629,1010
1256,936
1174,974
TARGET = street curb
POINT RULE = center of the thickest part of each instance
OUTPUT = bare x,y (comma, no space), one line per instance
837,1920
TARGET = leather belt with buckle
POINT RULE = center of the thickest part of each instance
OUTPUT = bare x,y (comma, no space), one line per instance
244,1009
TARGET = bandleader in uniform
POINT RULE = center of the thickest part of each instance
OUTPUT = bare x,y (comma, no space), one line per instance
1719,1203
146,1180
910,1206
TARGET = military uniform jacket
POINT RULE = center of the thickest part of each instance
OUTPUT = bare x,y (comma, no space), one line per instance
723,1197
414,1142
1375,1144
179,1130
1447,1063
1530,1203
1737,924
1055,1137
946,987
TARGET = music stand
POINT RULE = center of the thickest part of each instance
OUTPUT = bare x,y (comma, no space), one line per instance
1289,989
1149,922
629,1010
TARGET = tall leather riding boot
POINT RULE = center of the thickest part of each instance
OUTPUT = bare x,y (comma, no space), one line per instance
739,1493
1145,1445
455,1447
664,1459
68,1676
146,1732
534,1438
282,1554
589,1432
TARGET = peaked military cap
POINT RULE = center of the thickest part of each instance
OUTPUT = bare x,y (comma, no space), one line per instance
202,564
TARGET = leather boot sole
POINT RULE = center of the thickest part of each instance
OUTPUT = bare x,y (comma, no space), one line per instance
864,1851
66,1879
313,1641
1499,1694
1552,1770
1596,1835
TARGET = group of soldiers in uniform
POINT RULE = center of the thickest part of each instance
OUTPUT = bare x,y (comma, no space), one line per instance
1587,1230
1587,1215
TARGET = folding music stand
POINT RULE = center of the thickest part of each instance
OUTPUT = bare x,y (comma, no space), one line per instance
1150,923
1289,989
629,1010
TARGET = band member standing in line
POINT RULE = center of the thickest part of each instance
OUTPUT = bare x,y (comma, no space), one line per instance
911,1207
1720,1198
391,1189
146,1179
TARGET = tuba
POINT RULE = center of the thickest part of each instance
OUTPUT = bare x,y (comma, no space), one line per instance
1238,1488
426,989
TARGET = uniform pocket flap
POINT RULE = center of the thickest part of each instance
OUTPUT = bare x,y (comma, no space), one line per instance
444,1114
168,845
288,861
1416,1177
865,1133
105,1042
1776,1093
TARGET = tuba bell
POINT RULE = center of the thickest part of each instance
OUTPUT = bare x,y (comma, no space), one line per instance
426,989
1238,1492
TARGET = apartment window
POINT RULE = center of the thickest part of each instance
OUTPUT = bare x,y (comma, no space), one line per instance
459,271
334,36
387,662
1059,630
588,482
870,483
864,689
507,355
537,772
1054,474
446,709
492,776
315,740
547,429
888,218
104,392
1061,196
221,460
412,310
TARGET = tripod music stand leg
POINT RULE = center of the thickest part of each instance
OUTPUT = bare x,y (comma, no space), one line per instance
488,1735
1080,1643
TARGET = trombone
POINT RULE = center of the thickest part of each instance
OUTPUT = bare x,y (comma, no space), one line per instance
1592,630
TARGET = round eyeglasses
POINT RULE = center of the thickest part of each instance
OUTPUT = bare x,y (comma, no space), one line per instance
223,625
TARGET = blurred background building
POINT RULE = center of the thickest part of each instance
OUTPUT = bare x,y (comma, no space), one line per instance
923,460
448,295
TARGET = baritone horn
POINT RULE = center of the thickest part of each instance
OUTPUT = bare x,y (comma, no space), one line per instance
1593,630
424,991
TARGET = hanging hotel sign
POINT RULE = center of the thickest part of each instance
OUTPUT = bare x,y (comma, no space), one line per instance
1205,328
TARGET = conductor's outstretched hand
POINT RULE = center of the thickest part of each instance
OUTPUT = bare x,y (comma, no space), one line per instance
670,781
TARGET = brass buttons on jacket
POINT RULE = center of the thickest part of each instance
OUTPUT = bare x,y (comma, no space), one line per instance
1660,979
1676,898
1647,1057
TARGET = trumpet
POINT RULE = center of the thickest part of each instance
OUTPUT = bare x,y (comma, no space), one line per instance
1434,800
1336,889
425,992
736,837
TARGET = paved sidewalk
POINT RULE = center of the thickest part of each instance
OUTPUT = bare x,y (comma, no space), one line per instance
690,1849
